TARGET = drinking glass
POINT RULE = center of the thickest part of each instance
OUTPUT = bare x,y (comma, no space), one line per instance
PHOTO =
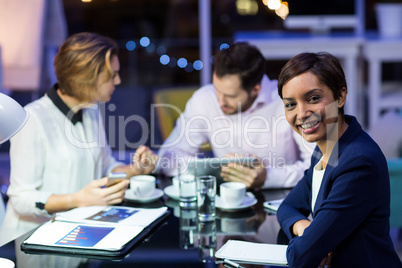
206,191
187,190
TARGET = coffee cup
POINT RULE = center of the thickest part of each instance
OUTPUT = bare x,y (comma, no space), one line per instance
142,185
232,193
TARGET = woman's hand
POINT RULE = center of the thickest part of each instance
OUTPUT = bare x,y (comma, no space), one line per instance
298,230
96,193
326,262
300,226
254,177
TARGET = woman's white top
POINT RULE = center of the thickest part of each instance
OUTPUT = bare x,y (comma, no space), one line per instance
318,174
52,155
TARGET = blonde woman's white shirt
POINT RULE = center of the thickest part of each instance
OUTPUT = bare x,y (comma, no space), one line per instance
51,155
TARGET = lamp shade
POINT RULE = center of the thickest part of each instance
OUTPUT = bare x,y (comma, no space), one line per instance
12,117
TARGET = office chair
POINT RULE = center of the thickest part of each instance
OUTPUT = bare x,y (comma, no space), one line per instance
170,103
395,177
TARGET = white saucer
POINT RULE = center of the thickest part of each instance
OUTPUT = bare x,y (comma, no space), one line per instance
6,263
249,200
171,192
158,193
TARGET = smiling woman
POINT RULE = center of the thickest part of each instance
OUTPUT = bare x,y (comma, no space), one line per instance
346,189
312,110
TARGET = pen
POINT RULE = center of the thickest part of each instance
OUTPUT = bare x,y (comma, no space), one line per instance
231,264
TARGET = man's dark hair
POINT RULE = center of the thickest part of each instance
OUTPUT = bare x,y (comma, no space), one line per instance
242,59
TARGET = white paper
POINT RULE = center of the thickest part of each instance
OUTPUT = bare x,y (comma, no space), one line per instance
250,252
112,215
61,234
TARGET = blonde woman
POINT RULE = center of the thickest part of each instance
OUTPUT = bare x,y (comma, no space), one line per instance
61,159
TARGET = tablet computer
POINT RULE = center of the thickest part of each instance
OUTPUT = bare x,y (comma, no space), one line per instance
213,166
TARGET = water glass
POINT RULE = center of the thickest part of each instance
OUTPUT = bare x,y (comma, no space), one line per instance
206,191
187,190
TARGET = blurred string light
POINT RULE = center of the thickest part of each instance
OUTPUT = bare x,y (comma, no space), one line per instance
224,46
150,48
247,7
161,50
165,59
198,65
182,63
172,62
189,68
130,45
274,4
281,8
144,41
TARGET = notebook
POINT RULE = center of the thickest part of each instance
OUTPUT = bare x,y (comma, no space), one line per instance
253,253
99,232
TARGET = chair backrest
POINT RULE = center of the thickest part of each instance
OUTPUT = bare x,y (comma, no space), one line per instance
395,177
170,103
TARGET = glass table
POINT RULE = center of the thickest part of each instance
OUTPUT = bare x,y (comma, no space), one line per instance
182,241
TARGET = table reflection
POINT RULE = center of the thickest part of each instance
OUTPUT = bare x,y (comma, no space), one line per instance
183,241
206,241
254,224
188,227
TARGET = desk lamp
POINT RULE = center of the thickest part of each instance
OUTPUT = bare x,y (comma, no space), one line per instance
12,117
